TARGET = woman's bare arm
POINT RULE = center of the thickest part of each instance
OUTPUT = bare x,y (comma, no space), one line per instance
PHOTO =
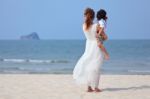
99,29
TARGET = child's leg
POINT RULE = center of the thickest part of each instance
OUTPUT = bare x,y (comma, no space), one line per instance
106,55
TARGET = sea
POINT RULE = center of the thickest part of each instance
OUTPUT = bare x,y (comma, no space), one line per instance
127,57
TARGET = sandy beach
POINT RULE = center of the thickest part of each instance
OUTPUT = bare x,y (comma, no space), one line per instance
48,86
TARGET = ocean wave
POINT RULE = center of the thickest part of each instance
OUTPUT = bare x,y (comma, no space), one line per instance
33,61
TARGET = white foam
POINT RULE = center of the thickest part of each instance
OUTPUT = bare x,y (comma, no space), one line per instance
34,61
14,60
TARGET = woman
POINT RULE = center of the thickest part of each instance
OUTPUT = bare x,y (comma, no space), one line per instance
87,69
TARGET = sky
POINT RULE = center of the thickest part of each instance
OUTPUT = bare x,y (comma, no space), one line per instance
63,19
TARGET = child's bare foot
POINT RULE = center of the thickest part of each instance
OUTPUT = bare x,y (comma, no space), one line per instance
106,57
90,89
97,90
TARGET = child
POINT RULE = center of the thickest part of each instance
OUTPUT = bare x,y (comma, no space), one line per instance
101,36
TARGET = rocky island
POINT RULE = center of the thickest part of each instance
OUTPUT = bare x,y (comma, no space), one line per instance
31,36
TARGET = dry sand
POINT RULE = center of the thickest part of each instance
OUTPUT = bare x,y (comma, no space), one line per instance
48,86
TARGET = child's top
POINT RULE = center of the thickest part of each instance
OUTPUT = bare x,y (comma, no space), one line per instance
102,24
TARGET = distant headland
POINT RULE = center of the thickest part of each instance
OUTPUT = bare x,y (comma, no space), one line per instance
31,36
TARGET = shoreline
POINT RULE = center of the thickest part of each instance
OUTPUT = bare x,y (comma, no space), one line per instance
59,73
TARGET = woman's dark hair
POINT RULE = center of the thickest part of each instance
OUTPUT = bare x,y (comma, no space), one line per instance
101,14
89,17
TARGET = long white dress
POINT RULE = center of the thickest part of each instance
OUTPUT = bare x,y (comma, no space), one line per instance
87,69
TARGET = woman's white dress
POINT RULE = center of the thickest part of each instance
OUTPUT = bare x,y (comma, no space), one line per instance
87,69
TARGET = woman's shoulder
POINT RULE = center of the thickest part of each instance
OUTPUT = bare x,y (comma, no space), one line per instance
94,26
84,27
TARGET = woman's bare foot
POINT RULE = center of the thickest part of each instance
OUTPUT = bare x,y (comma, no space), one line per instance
97,90
90,89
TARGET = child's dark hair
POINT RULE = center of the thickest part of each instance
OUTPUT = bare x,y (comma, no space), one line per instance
101,14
